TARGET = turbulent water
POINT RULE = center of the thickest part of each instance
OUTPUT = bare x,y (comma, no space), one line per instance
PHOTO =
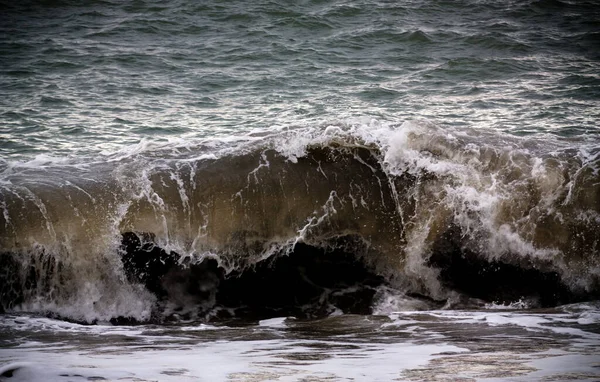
217,165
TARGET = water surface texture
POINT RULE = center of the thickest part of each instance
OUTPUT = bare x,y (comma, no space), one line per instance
85,78
294,191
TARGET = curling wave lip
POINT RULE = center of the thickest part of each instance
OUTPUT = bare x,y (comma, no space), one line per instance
436,213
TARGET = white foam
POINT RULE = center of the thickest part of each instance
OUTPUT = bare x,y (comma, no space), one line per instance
389,300
515,305
277,322
481,185
426,344
223,361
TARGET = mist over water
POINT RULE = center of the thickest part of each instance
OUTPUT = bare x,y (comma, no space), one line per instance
225,165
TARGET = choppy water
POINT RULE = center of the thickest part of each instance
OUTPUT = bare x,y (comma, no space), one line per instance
214,165
79,79
554,345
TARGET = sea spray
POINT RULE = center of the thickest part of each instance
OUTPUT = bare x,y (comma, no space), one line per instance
424,208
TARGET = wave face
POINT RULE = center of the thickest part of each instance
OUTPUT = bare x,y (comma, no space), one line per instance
305,222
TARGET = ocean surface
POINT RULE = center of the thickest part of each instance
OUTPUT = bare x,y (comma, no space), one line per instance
300,191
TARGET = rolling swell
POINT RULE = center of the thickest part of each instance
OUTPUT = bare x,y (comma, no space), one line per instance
304,223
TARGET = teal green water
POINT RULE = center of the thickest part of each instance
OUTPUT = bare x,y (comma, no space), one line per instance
80,79
299,190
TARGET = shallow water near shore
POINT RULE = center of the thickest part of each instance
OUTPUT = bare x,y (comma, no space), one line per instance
448,345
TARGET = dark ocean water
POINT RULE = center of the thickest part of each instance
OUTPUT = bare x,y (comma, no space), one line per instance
81,78
307,190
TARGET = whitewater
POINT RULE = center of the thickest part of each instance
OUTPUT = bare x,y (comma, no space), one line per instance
300,192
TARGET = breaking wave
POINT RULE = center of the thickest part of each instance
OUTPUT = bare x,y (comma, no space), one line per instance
346,218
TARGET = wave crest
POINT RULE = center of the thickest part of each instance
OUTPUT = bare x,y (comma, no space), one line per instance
425,206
